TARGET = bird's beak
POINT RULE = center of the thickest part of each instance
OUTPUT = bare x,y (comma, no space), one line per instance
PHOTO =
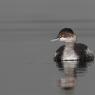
55,40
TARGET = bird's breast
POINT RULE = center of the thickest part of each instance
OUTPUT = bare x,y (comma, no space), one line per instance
69,54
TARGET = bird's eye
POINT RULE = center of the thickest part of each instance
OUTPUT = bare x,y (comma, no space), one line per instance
65,35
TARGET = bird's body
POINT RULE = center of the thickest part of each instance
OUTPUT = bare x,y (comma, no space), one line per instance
78,51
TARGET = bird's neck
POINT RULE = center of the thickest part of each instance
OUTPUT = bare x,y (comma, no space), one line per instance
69,45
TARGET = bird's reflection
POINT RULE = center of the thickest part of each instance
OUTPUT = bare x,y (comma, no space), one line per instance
71,70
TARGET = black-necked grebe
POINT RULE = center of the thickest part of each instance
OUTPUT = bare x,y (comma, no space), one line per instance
68,54
71,50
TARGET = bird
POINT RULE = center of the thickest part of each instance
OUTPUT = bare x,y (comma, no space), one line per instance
71,50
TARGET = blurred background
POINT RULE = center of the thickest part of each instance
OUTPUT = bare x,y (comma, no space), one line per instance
26,28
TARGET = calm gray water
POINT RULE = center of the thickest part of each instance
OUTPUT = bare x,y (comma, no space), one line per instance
26,53
27,67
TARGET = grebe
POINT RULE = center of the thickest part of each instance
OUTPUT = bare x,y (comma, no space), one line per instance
68,54
71,50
